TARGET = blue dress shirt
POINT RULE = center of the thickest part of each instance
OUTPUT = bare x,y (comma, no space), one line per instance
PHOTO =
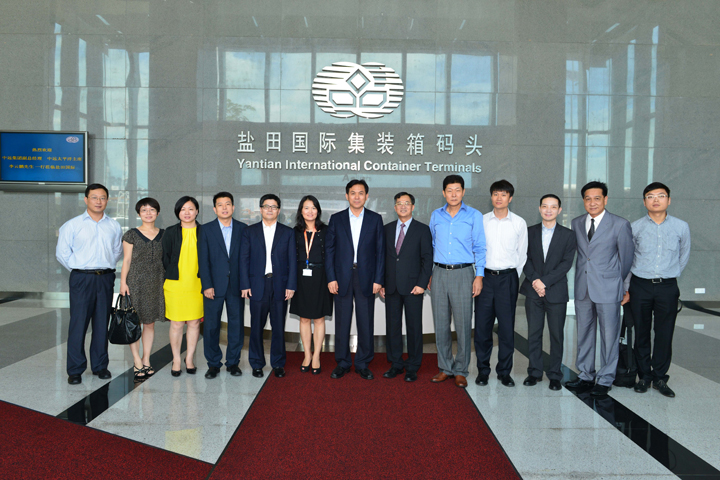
85,244
459,239
227,234
661,251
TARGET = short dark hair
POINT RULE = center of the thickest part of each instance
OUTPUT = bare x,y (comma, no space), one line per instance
300,220
182,201
591,185
354,182
551,195
223,195
402,194
96,186
150,202
270,196
502,186
656,186
453,179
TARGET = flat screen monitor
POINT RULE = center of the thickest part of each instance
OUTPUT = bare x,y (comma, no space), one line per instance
44,161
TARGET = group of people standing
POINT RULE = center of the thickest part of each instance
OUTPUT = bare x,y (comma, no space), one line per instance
469,262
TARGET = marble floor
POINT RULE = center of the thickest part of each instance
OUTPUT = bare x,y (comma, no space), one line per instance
546,434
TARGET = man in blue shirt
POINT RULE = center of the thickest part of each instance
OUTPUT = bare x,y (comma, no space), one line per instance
459,257
89,246
662,250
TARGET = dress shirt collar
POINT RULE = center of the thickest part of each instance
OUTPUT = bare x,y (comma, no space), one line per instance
545,229
406,222
463,208
271,227
649,219
597,219
86,215
228,226
359,217
509,216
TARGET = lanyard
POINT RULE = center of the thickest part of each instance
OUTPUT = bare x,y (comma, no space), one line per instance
308,246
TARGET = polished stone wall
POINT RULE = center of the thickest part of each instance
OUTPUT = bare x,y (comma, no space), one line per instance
557,93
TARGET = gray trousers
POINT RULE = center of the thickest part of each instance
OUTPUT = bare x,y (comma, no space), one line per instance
588,315
452,299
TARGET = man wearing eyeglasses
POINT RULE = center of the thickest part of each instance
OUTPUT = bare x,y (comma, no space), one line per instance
662,250
408,266
268,277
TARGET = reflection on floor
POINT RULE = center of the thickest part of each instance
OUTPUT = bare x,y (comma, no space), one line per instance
546,434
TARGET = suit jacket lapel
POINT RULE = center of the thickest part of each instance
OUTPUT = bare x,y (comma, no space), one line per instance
390,239
363,232
261,234
275,238
345,220
602,226
235,238
215,228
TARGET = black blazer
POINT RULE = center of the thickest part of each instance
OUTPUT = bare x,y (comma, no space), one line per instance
216,269
340,252
171,244
300,245
282,257
413,266
553,270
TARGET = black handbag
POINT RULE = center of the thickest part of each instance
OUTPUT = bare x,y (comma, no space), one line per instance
124,326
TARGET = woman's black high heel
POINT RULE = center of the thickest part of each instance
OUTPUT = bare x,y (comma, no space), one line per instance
191,371
305,368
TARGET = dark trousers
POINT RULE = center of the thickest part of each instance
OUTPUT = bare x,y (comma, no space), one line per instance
497,300
658,300
235,330
535,310
90,299
272,303
364,319
394,303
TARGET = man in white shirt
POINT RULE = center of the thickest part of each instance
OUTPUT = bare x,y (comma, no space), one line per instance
506,242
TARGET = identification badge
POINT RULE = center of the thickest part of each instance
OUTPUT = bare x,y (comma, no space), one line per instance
307,272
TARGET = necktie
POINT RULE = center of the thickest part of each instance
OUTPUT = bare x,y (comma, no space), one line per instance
400,239
591,232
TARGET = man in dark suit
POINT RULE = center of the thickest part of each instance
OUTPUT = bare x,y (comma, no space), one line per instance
355,266
218,268
551,250
268,277
408,267
604,256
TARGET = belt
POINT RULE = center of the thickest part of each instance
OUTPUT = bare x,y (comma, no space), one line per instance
499,272
655,280
268,275
457,266
354,266
99,271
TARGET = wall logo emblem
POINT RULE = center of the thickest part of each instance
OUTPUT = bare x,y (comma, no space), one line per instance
72,139
346,89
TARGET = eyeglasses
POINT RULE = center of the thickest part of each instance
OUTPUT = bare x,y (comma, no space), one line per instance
662,196
403,204
102,199
270,208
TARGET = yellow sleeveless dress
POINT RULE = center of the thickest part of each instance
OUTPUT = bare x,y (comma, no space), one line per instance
183,297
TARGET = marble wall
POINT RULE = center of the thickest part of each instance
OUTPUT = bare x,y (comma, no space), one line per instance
557,92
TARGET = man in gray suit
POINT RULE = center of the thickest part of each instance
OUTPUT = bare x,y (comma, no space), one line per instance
604,256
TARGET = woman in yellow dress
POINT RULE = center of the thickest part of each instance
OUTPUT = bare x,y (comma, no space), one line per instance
183,290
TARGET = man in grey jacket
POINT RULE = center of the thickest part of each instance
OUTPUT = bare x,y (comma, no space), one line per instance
604,256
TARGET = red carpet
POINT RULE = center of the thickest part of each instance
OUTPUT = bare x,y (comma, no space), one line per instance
305,426
39,446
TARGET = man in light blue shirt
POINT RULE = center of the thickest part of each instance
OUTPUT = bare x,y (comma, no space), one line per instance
89,246
662,250
459,257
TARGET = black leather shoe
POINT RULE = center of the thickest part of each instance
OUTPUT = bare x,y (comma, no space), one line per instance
191,371
103,374
506,380
600,390
481,380
579,384
279,372
410,376
75,379
662,387
365,373
393,372
212,372
530,381
234,370
258,373
641,386
339,371
555,385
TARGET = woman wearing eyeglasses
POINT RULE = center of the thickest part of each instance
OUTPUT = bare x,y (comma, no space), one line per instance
312,301
183,289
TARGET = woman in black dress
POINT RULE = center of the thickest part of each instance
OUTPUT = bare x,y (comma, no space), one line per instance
313,300
142,276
